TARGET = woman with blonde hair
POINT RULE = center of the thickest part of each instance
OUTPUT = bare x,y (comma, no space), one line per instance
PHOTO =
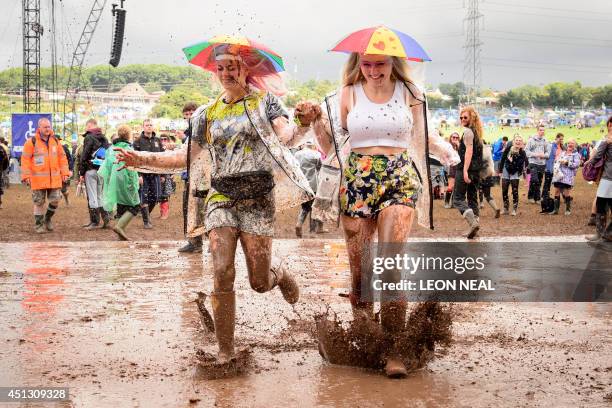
512,165
465,195
377,125
241,166
564,173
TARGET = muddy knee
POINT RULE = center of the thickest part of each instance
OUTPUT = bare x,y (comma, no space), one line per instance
261,284
224,277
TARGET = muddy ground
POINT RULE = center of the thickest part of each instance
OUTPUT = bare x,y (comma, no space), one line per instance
17,220
117,323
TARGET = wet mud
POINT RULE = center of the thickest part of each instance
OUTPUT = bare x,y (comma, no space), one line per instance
363,343
117,323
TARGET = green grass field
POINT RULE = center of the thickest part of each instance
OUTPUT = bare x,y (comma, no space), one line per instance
586,135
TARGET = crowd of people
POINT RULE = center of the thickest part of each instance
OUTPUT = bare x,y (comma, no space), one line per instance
546,166
371,139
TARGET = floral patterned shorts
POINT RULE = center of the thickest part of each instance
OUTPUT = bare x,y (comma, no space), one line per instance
375,182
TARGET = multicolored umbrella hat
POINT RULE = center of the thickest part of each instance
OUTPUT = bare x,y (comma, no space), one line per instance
260,59
382,40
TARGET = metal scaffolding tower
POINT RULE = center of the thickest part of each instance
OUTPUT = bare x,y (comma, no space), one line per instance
32,31
471,69
76,67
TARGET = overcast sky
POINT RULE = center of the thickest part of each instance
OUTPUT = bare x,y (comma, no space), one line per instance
533,42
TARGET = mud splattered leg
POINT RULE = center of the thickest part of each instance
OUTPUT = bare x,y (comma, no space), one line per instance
266,271
358,234
223,243
394,224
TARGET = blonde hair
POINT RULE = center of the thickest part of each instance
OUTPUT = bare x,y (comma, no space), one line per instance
351,73
515,149
474,124
124,133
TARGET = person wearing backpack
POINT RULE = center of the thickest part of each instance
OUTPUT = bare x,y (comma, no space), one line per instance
94,146
120,185
465,194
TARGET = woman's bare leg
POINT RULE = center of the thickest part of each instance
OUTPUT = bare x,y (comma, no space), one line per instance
223,243
394,225
358,233
266,271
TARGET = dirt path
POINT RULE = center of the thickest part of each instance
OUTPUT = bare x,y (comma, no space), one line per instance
117,323
17,221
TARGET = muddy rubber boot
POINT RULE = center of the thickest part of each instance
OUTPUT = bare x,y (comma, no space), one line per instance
48,215
164,210
555,211
600,228
224,314
447,199
493,205
105,217
94,219
568,205
39,224
66,199
591,222
122,224
285,282
300,222
472,222
146,217
393,320
514,208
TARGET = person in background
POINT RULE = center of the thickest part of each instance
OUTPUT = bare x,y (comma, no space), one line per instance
5,157
465,194
310,163
564,174
150,184
66,184
556,149
120,185
194,244
452,171
498,149
604,190
168,186
538,151
94,140
484,189
44,167
512,166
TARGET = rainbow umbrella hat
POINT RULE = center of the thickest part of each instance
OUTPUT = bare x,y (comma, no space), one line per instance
382,40
261,60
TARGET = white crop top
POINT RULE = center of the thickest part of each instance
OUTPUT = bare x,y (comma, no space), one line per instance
379,124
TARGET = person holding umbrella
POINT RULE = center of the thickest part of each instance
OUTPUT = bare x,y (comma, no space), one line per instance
239,154
385,177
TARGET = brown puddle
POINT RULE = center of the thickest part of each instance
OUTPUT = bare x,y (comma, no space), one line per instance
118,324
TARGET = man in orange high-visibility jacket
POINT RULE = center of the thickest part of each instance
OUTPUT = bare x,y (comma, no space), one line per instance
44,167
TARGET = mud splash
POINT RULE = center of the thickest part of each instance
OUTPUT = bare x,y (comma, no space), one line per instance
364,344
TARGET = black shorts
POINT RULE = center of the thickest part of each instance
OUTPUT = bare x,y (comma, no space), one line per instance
562,186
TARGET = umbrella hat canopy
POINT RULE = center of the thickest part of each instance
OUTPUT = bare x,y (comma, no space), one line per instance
382,40
260,60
